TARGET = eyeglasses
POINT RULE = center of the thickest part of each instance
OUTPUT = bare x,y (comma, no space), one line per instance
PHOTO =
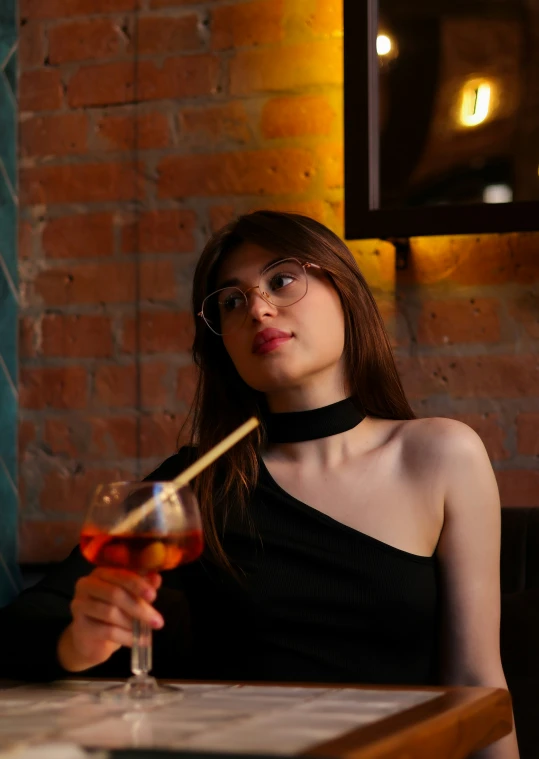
281,284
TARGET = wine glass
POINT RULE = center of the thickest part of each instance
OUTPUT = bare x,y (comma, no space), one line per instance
144,527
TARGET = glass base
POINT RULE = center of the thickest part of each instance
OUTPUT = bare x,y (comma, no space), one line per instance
143,690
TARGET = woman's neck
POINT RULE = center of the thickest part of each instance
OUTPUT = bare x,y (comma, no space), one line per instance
305,398
321,433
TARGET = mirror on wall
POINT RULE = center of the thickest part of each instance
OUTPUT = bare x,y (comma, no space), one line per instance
441,117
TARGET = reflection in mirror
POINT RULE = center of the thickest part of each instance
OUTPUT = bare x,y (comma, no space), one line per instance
459,102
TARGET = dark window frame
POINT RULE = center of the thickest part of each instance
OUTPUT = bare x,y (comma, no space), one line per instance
361,156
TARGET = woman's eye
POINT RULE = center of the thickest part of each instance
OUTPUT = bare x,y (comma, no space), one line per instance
279,281
231,303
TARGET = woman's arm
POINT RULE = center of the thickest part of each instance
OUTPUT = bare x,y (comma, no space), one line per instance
31,626
469,555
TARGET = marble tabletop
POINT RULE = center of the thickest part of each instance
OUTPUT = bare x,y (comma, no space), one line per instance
67,719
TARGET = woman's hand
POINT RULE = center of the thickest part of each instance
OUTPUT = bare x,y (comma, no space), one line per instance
104,606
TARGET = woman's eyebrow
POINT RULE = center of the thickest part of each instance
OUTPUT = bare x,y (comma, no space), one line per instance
234,281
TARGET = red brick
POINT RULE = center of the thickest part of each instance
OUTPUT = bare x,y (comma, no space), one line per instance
186,76
315,209
159,434
86,40
395,323
157,281
80,183
528,434
327,18
70,492
166,231
474,260
27,435
246,173
170,3
500,376
75,336
26,239
94,437
470,376
297,117
207,125
524,246
168,34
160,332
331,157
57,8
423,376
60,438
376,261
154,383
31,45
490,430
186,384
53,387
47,541
221,215
106,283
456,320
254,23
87,283
338,209
29,332
525,310
57,135
132,131
102,84
115,386
113,437
179,77
40,90
85,236
290,68
518,487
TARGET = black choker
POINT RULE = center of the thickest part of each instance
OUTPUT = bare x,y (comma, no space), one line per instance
298,426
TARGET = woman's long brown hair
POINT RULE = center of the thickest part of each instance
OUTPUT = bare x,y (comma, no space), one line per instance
223,400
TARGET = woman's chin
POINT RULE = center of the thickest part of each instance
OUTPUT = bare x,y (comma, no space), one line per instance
272,381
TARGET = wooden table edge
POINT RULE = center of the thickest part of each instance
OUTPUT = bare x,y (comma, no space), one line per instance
380,740
461,706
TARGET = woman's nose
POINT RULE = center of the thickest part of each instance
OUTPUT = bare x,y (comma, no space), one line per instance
258,305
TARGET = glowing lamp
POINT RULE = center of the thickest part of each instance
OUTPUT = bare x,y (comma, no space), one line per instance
476,102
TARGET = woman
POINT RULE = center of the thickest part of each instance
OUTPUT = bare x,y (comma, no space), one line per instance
346,540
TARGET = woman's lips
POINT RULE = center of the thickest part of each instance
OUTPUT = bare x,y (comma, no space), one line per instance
271,345
268,335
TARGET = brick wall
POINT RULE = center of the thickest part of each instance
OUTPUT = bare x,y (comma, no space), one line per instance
143,131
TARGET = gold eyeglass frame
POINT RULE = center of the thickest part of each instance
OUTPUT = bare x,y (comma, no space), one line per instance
305,265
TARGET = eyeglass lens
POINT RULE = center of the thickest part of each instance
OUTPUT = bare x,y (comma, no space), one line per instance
282,284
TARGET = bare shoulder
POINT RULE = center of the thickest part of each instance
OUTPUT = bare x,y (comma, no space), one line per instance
441,442
447,457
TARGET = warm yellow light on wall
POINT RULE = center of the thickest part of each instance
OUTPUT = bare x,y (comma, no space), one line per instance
384,44
476,103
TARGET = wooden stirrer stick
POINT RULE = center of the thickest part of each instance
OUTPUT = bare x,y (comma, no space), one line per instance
142,511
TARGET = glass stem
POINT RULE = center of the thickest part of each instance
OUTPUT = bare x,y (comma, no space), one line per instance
141,652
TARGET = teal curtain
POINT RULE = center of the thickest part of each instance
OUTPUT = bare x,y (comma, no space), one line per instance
9,576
